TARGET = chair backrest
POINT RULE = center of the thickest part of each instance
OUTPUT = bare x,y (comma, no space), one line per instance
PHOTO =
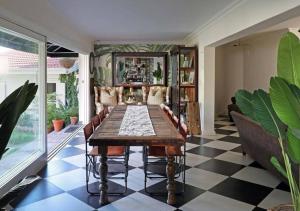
166,109
105,110
88,131
101,115
175,121
95,121
170,115
183,129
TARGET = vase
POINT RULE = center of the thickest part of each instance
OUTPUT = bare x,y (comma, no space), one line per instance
74,120
282,207
58,124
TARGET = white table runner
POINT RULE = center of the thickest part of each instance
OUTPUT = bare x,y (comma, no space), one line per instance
136,122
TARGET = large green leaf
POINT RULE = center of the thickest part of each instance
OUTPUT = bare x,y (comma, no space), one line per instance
265,114
288,60
11,109
293,146
285,103
244,102
278,166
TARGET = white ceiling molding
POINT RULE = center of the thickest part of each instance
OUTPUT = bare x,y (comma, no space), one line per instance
168,42
192,37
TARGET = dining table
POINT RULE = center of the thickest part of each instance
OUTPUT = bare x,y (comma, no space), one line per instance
108,134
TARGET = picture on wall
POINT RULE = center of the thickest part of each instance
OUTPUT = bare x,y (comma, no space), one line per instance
101,69
139,68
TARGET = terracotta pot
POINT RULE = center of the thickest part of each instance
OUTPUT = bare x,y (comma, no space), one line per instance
58,124
74,120
50,129
282,207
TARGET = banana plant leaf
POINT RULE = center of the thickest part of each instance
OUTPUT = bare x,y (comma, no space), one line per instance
285,103
244,102
288,59
265,114
293,145
278,166
11,109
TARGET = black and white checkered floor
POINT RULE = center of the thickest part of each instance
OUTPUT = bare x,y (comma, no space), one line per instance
218,177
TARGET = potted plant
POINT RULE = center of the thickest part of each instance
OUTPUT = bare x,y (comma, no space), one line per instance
73,114
279,112
50,116
157,74
58,119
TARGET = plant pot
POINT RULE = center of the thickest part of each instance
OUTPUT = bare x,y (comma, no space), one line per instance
74,120
58,124
50,129
282,207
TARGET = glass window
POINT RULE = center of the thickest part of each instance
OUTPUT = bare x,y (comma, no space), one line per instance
21,59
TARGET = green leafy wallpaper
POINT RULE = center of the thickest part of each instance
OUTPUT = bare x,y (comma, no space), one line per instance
102,68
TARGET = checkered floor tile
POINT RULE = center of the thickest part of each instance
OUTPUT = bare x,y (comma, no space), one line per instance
218,178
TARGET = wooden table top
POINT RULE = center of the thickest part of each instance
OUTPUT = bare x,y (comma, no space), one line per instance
107,132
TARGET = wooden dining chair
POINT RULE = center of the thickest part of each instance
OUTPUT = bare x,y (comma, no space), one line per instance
101,115
106,110
117,153
175,121
162,151
95,122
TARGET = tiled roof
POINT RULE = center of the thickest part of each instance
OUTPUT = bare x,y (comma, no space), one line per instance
20,59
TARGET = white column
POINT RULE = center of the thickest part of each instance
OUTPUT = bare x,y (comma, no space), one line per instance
84,89
207,89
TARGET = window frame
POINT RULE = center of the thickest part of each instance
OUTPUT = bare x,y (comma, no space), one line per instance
33,165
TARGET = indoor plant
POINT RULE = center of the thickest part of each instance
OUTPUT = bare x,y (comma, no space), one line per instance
157,74
11,109
279,112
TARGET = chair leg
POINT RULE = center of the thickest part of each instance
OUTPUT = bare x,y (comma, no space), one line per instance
88,169
126,167
145,167
184,163
243,151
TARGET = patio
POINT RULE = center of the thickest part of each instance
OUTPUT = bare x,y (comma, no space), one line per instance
57,139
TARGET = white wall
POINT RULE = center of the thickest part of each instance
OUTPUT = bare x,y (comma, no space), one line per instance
246,66
242,19
260,60
229,75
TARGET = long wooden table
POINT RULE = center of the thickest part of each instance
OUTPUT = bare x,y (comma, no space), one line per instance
107,135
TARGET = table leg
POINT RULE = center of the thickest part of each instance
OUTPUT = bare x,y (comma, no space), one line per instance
171,180
103,175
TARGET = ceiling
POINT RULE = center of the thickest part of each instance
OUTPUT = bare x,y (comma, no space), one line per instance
139,20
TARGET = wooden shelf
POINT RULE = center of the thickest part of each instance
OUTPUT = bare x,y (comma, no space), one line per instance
187,68
187,86
185,62
137,85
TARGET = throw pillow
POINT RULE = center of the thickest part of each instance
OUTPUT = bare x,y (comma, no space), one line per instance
155,97
108,96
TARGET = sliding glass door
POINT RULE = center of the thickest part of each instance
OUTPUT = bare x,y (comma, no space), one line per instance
22,58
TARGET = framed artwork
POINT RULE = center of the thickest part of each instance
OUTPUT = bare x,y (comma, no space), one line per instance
139,68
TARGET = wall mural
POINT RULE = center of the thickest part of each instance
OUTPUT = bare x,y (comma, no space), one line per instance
102,61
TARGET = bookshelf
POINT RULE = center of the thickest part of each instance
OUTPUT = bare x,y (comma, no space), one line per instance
184,61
